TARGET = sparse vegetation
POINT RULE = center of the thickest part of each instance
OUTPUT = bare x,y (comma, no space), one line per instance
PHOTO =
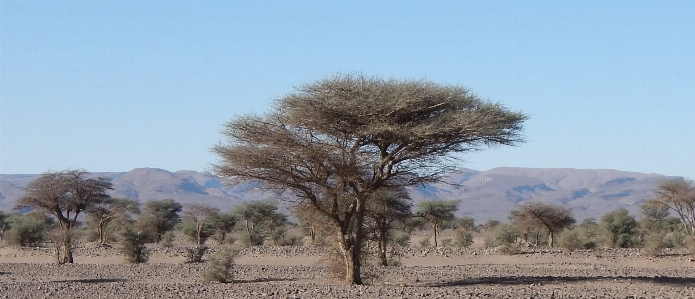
195,254
221,266
132,246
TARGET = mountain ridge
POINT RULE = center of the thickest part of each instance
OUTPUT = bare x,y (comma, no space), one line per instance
484,195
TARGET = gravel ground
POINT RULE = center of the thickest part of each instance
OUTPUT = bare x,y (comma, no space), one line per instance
534,274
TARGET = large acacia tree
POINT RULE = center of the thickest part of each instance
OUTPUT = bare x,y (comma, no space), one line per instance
334,142
65,195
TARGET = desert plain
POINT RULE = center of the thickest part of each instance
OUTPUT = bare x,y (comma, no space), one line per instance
301,272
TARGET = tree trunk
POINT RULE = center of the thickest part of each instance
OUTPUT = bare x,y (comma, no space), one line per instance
350,244
64,249
382,247
102,232
435,234
550,238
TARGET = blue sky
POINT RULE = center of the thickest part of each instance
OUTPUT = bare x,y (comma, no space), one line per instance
116,85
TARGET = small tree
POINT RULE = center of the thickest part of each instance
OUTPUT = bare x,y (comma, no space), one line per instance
544,216
621,228
258,219
197,219
679,196
159,217
65,195
436,212
110,213
387,208
224,224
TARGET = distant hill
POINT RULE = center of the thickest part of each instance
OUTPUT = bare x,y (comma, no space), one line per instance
484,194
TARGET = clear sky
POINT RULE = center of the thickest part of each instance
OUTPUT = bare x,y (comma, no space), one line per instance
116,85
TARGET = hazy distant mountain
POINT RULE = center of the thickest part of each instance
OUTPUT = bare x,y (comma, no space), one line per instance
484,194
590,193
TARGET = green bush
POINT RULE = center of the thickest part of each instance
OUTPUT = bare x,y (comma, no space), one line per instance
168,239
462,238
132,246
26,231
221,266
676,239
398,237
575,239
253,239
506,234
654,244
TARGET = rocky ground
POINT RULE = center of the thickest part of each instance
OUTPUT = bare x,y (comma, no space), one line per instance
296,272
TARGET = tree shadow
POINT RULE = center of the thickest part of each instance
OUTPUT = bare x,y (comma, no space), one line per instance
93,280
524,280
265,279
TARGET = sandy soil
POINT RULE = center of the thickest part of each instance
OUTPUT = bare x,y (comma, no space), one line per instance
297,272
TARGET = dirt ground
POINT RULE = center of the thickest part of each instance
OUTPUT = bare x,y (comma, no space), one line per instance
298,272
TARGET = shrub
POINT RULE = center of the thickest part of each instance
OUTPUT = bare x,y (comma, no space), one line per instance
168,239
676,239
425,242
26,231
291,241
462,239
133,247
253,239
398,237
221,266
506,234
571,240
654,244
195,254
447,242
508,249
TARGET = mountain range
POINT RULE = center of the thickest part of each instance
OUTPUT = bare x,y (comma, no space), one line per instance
484,195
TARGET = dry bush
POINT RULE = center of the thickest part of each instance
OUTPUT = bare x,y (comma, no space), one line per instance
195,254
221,266
132,246
654,244
509,249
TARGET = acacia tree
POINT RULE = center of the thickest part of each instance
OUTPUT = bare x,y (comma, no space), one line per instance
224,224
679,196
334,142
199,217
436,212
620,227
110,212
544,216
64,195
387,208
159,217
258,218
